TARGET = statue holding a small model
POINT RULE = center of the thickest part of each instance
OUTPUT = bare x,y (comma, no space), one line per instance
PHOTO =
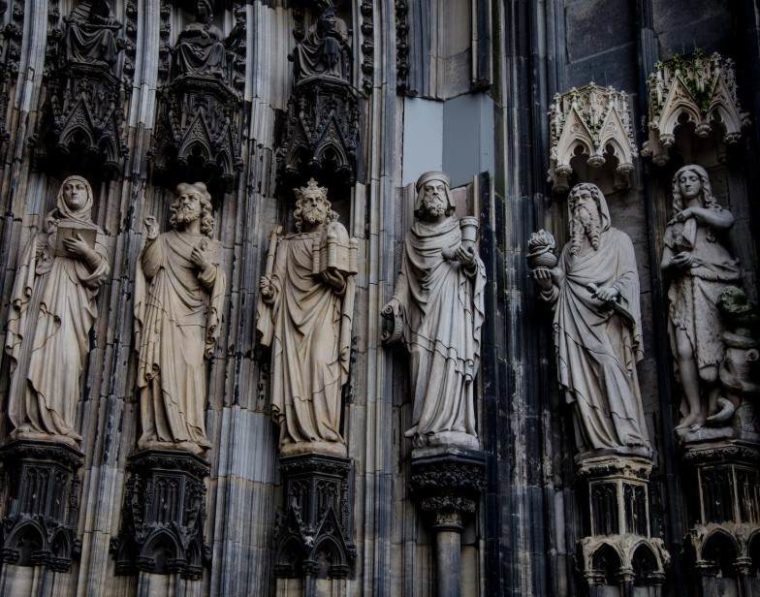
53,309
437,312
305,314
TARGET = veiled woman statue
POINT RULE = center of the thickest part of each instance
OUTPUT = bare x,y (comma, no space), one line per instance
700,268
52,311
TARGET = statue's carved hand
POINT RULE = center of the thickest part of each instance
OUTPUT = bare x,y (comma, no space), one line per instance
543,277
465,257
683,260
607,294
335,279
151,227
77,247
266,289
199,258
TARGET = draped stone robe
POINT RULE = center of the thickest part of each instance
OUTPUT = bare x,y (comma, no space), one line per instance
177,325
53,309
597,346
441,306
309,330
694,293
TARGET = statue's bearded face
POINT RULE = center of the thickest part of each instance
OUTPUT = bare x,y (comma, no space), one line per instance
75,194
434,198
586,222
689,184
188,208
314,209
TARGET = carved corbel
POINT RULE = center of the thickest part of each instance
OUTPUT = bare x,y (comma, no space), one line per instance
699,90
595,122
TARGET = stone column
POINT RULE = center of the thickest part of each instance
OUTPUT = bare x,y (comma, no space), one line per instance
41,503
447,483
163,517
619,551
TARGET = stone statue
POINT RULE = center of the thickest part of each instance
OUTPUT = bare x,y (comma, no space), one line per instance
52,311
699,268
200,47
594,288
437,312
305,309
325,50
179,291
90,35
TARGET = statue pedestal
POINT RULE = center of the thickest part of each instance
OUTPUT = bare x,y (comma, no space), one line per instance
41,504
447,483
314,532
619,553
163,515
723,546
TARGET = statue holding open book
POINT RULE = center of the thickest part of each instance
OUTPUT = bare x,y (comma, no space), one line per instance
53,309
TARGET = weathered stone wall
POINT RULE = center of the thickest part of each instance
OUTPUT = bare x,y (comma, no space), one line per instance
481,75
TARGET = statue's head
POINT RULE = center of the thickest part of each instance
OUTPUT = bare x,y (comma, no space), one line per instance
589,216
193,202
312,207
433,196
204,10
75,198
689,182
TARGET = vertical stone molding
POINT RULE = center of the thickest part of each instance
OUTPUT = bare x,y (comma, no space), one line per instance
593,122
163,515
313,535
619,551
723,547
447,483
41,504
699,90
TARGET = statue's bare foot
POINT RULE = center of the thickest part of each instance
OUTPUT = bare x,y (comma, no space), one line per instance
690,420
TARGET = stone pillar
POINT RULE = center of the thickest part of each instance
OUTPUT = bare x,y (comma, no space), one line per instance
447,483
314,531
163,517
41,503
723,547
619,552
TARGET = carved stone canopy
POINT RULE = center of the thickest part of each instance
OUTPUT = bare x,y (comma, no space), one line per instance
700,90
592,121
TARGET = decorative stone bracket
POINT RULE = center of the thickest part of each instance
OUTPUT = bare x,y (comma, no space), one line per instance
698,89
41,504
619,550
447,483
313,536
593,121
163,515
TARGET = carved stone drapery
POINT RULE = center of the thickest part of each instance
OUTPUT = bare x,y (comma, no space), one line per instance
82,119
700,89
314,533
40,487
163,515
619,550
595,121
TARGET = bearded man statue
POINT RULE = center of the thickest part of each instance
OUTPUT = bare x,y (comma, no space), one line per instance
179,291
597,327
305,311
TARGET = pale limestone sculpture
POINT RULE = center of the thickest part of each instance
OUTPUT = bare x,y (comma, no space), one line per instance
305,311
52,311
700,268
597,326
437,311
179,290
